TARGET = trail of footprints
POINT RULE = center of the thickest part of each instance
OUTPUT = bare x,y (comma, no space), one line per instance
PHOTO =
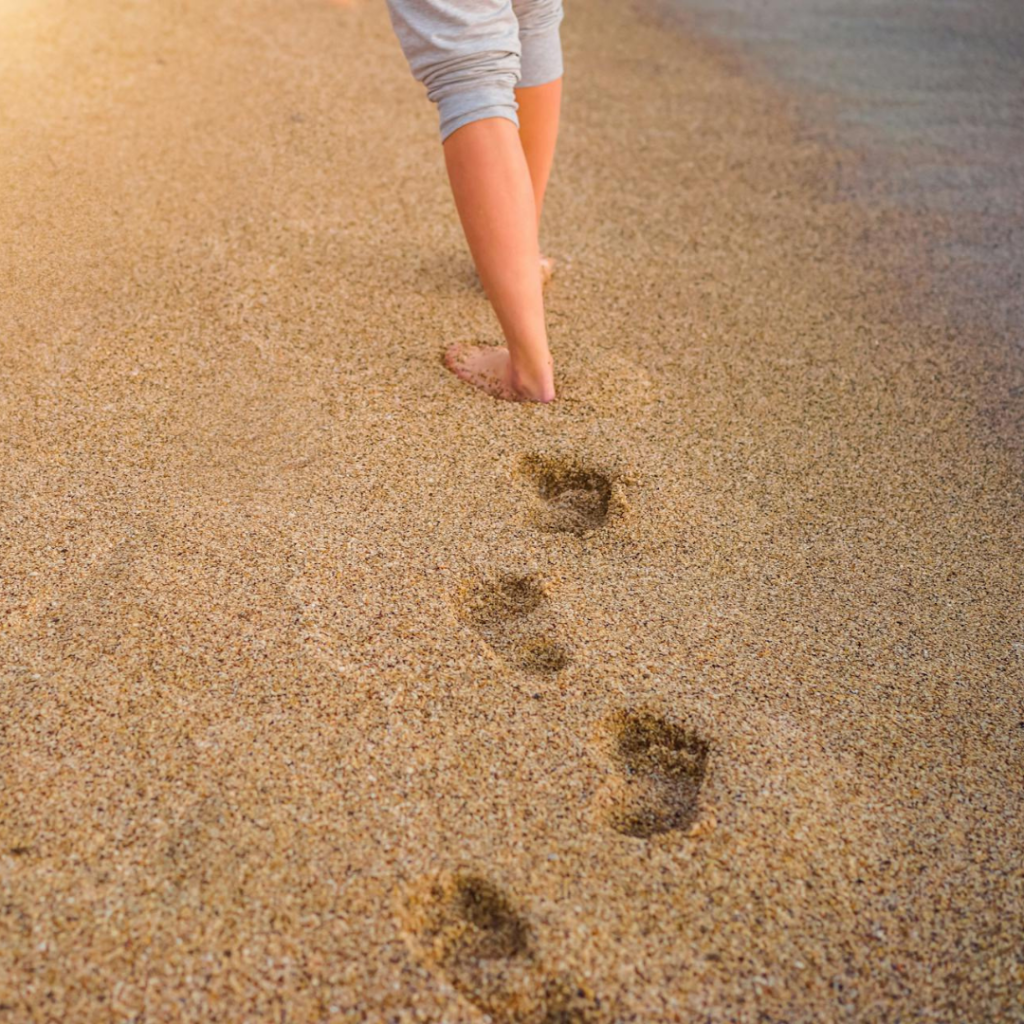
462,925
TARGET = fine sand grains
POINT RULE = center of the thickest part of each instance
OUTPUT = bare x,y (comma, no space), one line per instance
331,690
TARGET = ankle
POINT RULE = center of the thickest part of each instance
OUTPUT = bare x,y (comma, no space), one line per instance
537,385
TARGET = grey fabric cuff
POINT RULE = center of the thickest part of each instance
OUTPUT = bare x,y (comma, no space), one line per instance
473,107
473,86
541,61
491,99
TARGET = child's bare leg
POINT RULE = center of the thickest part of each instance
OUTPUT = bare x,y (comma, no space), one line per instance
495,197
539,109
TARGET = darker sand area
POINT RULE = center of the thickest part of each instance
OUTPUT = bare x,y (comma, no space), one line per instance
333,690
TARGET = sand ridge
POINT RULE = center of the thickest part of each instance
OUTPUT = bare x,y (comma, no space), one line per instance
322,675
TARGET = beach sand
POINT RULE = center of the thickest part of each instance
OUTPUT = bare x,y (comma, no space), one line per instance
334,690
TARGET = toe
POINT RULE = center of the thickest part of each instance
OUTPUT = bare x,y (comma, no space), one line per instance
454,356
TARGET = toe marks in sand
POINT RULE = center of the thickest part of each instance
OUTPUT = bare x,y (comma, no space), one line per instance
463,927
573,497
510,613
660,769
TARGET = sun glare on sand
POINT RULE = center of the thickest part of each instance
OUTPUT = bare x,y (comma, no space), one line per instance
22,24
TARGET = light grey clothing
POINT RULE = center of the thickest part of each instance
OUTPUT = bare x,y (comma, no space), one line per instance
472,54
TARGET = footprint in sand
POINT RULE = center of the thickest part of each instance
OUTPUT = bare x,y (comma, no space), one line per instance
573,497
660,769
511,615
461,926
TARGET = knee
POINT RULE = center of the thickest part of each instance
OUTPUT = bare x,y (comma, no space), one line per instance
473,86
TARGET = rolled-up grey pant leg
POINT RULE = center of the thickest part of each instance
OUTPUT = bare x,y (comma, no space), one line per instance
466,52
541,60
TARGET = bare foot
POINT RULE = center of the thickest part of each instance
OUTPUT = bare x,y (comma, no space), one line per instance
547,269
489,368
